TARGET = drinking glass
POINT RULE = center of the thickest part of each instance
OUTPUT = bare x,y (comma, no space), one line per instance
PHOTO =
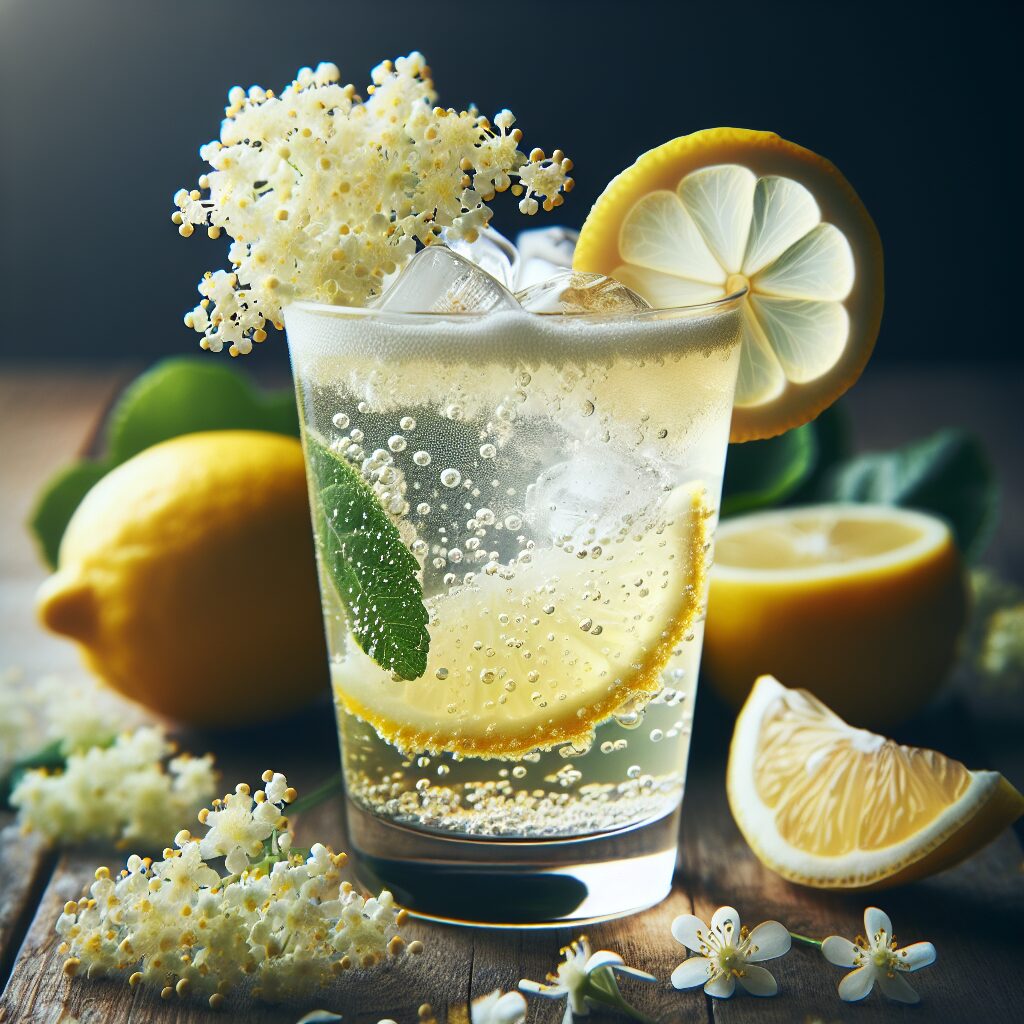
556,478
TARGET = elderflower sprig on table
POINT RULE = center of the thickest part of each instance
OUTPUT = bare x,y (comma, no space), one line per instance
586,978
133,791
285,919
324,194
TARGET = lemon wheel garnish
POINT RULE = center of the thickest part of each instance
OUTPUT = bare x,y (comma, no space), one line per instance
828,805
523,660
726,209
863,605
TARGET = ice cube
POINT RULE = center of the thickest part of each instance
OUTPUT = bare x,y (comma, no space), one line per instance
542,251
595,496
437,280
492,252
571,291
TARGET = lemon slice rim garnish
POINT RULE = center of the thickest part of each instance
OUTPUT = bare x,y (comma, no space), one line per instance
806,350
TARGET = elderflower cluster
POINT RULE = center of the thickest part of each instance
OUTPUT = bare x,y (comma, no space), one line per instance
62,715
131,791
324,194
282,917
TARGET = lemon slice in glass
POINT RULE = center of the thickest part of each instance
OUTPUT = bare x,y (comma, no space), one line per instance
726,209
835,807
538,653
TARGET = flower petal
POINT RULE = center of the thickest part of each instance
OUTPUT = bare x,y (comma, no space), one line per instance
537,988
857,984
633,972
568,1015
685,929
726,921
875,921
771,939
839,951
757,981
916,956
602,958
721,987
691,973
509,1009
895,986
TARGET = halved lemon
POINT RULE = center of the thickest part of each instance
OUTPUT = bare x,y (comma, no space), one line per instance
831,806
540,652
724,209
863,605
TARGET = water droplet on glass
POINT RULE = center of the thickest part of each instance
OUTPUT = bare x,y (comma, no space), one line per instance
454,411
519,772
455,555
397,443
407,423
587,408
657,735
451,477
356,434
421,458
340,420
423,509
513,522
488,451
443,769
363,407
633,771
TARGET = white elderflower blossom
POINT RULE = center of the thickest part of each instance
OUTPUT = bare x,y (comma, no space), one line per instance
324,193
123,793
728,953
285,919
498,1007
583,978
877,958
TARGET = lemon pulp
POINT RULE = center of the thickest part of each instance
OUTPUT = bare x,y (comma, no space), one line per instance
863,605
833,806
541,652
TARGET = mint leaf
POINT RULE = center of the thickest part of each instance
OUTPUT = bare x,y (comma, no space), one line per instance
762,473
374,573
57,503
947,474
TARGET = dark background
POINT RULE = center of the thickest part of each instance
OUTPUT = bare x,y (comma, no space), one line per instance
104,103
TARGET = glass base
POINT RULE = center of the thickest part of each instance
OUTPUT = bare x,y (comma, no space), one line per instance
516,883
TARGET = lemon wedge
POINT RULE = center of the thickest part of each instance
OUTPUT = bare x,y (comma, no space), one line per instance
835,807
863,605
727,209
542,651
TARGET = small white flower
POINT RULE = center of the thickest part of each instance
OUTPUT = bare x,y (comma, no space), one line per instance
498,1007
729,953
585,977
877,958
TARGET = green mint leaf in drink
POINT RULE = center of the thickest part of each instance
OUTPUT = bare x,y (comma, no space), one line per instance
374,574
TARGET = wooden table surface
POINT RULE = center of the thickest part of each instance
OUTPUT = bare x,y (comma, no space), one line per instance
973,913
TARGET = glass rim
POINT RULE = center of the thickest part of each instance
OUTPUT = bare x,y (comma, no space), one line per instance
698,308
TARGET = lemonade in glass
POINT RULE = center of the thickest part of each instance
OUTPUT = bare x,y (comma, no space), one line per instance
552,480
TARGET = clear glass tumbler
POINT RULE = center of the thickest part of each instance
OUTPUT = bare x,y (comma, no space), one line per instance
551,481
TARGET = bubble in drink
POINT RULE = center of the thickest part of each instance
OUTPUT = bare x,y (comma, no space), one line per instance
421,458
451,477
340,420
488,451
407,423
397,443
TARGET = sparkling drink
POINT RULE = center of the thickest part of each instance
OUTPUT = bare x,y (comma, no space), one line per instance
514,739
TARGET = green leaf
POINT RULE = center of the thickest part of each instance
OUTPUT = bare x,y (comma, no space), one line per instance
832,435
187,395
57,502
762,473
947,474
177,396
374,573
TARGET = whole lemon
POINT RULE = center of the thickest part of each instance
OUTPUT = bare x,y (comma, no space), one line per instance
863,605
188,579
